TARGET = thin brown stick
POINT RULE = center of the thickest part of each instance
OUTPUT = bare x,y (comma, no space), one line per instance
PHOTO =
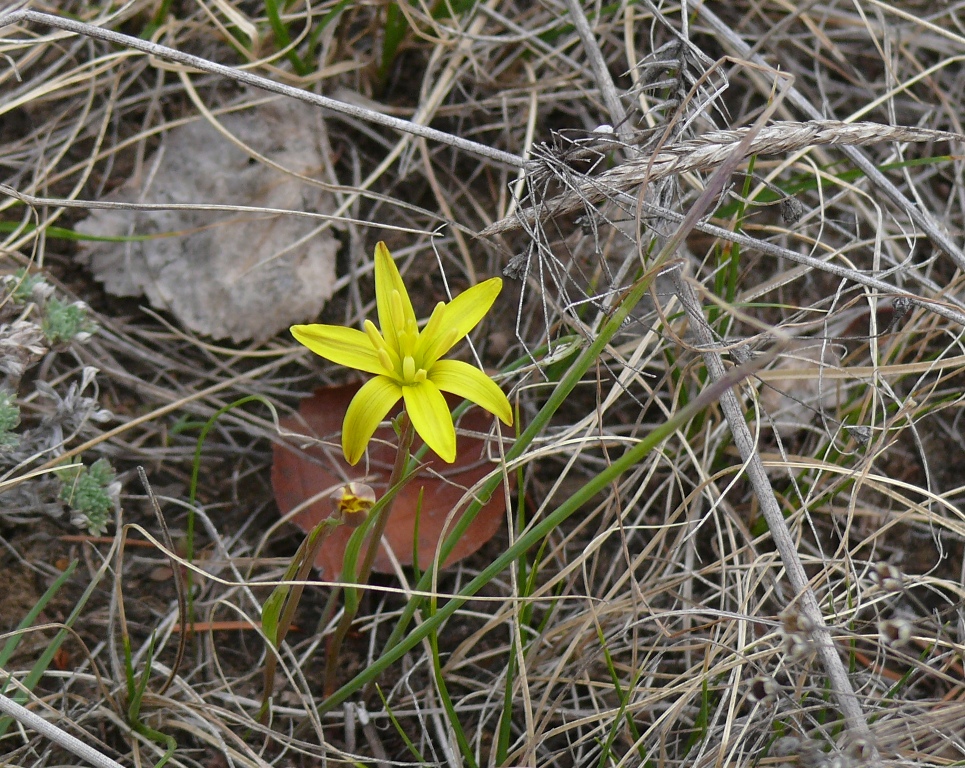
600,72
241,76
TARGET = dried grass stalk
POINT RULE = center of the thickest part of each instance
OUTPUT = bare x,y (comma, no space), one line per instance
709,151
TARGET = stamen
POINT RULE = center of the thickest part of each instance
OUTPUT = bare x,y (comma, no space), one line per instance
374,336
381,348
385,360
411,337
408,369
408,344
420,376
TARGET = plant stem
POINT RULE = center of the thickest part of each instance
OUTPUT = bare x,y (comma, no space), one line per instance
334,645
406,435
303,561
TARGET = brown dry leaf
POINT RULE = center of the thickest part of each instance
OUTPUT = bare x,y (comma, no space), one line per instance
297,476
225,274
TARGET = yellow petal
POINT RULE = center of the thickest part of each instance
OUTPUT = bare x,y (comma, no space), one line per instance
456,319
344,346
430,416
366,411
387,280
469,382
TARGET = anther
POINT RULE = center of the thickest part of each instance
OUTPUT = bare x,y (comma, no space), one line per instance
374,336
385,360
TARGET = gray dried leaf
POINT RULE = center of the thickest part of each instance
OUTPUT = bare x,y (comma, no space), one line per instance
22,344
225,274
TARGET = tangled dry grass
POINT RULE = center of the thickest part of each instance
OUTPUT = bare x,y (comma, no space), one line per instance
778,581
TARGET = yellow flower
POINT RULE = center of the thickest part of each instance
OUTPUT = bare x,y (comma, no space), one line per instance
352,503
406,362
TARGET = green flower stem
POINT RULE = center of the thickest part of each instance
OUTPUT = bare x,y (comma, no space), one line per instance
406,435
398,476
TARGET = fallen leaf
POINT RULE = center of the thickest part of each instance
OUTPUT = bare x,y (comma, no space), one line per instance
297,476
238,274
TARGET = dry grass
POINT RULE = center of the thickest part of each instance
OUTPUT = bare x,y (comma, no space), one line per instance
657,623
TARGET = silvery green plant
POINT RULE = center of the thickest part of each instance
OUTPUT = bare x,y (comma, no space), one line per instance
35,324
9,420
65,322
93,495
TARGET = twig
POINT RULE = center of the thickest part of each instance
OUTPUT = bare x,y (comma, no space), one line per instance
600,72
844,694
55,734
709,151
241,76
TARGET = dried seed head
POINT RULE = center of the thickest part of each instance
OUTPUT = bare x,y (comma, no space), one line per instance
742,353
762,688
811,755
785,746
588,222
791,210
895,632
797,647
517,266
797,630
861,434
861,750
886,577
796,622
901,306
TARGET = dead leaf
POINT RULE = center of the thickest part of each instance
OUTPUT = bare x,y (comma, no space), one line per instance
296,477
225,274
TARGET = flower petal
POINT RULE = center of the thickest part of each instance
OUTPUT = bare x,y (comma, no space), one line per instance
456,319
366,411
387,280
431,418
469,382
344,346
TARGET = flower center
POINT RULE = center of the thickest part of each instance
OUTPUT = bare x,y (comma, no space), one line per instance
411,374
